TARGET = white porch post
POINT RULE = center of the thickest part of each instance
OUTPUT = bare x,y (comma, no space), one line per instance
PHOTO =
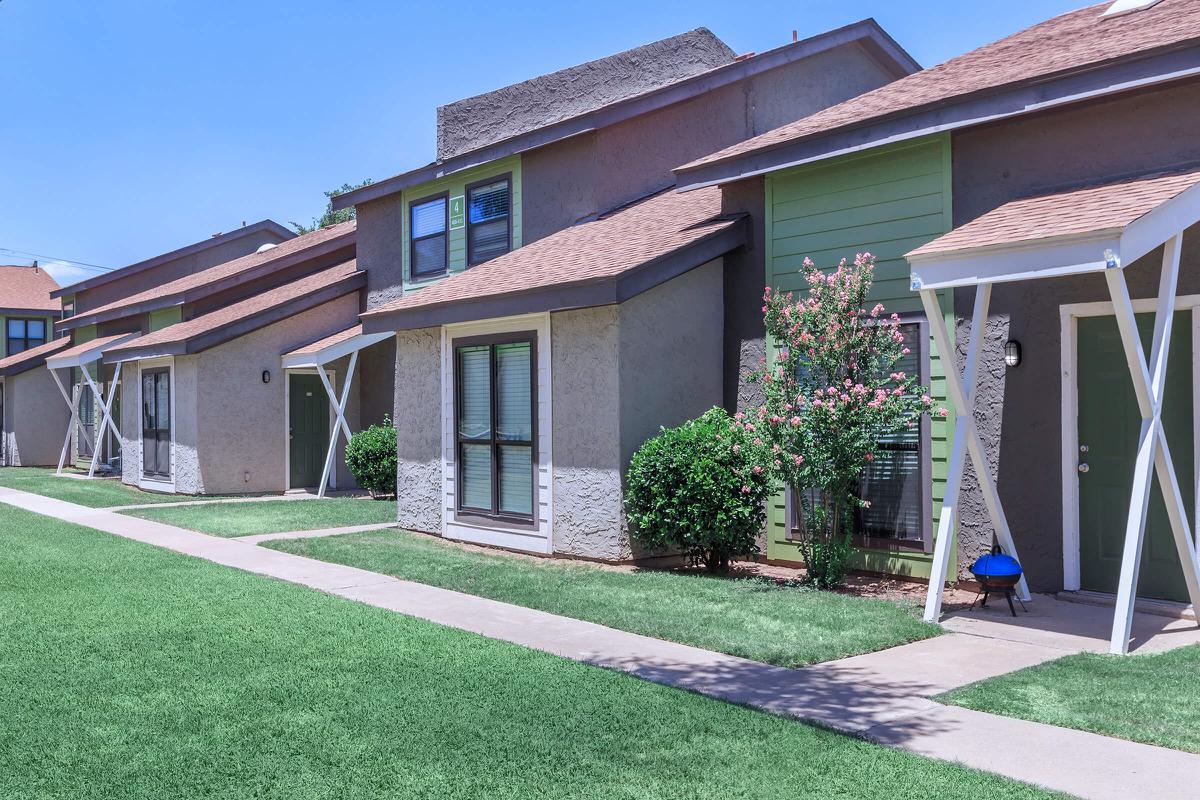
72,424
105,414
340,424
966,442
1149,384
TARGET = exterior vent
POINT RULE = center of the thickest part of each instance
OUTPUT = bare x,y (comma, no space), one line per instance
1128,7
268,246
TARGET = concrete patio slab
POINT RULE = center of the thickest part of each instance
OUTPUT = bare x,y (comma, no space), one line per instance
880,696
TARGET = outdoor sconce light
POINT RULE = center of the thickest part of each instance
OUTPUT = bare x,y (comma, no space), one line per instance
266,376
1012,353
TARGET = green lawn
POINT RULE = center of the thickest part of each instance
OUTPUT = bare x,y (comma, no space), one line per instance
94,493
273,516
132,672
1152,698
755,619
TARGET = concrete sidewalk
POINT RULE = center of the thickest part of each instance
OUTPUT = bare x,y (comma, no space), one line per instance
881,696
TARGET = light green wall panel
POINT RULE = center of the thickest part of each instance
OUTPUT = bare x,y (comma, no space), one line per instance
886,201
165,317
455,185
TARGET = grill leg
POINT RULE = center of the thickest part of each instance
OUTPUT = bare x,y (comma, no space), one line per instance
1008,595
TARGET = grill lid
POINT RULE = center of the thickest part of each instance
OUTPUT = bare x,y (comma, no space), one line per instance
996,565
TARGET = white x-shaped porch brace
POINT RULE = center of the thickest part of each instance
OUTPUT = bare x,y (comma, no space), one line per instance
81,357
318,356
1105,249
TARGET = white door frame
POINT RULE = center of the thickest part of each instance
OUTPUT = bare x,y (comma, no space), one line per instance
151,484
1069,315
288,372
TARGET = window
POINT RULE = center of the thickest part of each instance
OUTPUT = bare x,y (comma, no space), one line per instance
894,483
87,418
24,334
156,423
488,230
427,223
495,387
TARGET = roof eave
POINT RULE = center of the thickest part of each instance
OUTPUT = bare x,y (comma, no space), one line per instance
182,252
1123,74
866,33
199,342
565,296
326,248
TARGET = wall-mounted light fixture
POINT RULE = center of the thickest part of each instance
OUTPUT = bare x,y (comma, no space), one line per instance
266,376
1012,353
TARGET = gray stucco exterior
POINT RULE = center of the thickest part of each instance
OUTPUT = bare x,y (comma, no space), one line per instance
488,118
230,428
419,429
1018,410
627,370
35,419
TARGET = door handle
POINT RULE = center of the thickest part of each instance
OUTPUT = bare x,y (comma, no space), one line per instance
1083,468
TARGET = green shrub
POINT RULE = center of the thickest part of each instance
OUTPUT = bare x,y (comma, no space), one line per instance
371,458
701,489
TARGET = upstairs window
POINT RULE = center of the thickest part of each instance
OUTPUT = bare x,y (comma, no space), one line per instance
428,222
489,232
24,334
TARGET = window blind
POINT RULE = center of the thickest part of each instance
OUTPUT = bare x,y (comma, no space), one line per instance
487,221
428,234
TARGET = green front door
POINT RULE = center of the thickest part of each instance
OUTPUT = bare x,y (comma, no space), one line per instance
308,421
1109,424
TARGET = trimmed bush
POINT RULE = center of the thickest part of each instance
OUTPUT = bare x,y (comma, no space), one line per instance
371,458
700,488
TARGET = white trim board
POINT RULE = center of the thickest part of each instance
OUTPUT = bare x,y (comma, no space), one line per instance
1069,314
540,539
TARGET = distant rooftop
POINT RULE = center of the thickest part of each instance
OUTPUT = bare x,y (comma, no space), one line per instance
27,289
182,252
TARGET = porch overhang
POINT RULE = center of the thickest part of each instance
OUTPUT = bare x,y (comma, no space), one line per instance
1094,229
87,353
1075,232
331,348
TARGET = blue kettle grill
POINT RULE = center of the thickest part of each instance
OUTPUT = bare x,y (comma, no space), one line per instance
997,572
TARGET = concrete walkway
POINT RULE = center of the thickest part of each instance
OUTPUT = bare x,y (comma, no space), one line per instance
881,696
270,537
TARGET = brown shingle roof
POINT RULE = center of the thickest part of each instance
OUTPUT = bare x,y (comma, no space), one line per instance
98,346
252,264
1067,42
616,243
33,357
250,314
27,289
1092,209
329,341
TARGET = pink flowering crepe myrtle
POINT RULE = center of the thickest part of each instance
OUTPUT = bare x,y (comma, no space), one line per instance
832,390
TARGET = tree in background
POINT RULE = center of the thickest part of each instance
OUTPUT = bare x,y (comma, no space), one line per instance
331,217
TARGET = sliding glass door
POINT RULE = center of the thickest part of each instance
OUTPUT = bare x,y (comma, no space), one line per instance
156,423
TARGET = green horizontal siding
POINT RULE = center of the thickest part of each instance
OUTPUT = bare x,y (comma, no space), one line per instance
455,185
887,201
164,318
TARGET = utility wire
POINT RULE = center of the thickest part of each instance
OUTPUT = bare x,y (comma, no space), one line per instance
26,254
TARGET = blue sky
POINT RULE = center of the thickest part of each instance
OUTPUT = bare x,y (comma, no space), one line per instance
134,127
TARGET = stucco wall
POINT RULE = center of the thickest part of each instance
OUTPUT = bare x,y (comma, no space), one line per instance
586,401
745,277
620,373
492,117
585,175
380,248
240,420
1018,410
35,419
419,429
